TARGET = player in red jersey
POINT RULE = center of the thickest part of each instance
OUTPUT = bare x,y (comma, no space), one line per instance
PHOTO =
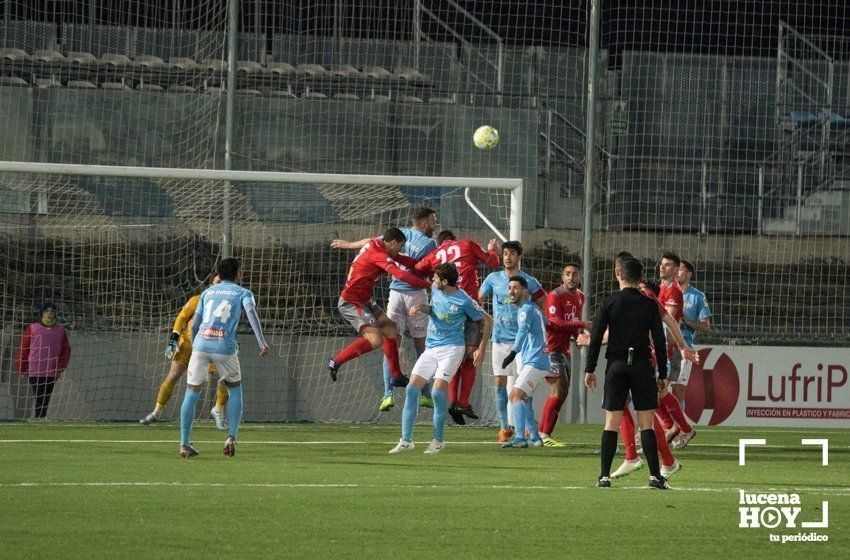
467,255
670,296
379,256
562,309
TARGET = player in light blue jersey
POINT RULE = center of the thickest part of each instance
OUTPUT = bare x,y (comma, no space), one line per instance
696,318
505,324
445,347
403,296
530,344
214,341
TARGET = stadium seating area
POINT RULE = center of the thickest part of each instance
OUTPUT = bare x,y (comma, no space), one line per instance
47,68
44,55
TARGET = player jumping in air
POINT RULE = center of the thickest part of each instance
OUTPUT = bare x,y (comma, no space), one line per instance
179,350
379,256
505,321
563,309
444,350
214,342
529,343
403,296
466,255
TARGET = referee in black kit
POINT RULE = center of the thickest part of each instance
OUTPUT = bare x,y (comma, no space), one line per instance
629,317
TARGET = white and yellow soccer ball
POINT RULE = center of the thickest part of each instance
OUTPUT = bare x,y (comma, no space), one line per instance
486,137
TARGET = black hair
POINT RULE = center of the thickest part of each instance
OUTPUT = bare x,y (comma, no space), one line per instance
394,234
421,213
689,266
519,280
447,272
622,257
573,264
632,270
671,256
47,304
445,235
228,269
513,245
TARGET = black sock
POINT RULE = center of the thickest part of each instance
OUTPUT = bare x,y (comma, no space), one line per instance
650,451
609,448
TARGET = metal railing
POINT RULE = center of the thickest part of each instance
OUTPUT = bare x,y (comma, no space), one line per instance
779,196
498,65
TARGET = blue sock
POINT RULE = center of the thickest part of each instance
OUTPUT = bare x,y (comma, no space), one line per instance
408,414
502,407
388,390
187,415
518,408
530,422
441,406
234,410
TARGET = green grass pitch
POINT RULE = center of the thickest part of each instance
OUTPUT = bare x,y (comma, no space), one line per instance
332,491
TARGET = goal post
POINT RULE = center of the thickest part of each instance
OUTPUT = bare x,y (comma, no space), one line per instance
468,183
121,248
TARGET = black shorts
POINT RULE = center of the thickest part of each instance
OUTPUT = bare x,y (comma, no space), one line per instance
560,366
638,378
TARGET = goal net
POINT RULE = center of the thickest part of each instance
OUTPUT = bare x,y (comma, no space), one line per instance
120,255
721,134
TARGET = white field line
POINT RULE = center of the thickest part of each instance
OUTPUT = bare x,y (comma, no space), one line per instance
355,442
811,490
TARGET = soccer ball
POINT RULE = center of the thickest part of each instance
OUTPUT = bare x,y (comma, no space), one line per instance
486,137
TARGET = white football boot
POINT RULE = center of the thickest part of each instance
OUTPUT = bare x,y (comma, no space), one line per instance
402,447
628,467
434,447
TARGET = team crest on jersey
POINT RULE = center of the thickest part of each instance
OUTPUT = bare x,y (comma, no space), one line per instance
522,316
453,308
552,309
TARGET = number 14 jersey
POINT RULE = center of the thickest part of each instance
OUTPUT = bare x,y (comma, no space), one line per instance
218,314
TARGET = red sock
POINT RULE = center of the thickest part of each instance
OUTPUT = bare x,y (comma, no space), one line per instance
467,380
666,421
390,347
627,429
353,350
459,382
663,448
549,417
453,390
671,405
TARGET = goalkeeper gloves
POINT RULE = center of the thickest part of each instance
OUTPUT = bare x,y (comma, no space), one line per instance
171,349
508,359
